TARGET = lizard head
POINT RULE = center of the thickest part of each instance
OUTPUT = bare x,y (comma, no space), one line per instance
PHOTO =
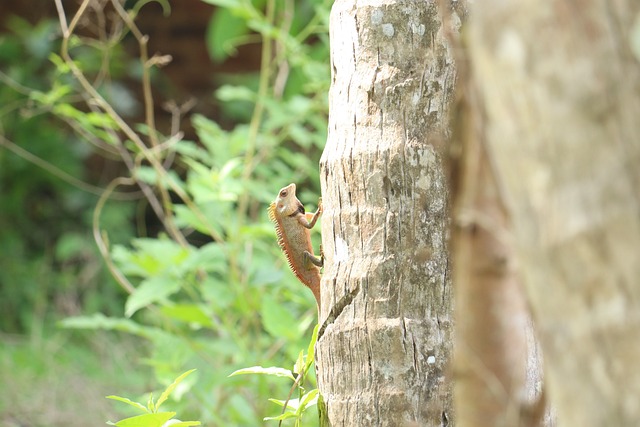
287,203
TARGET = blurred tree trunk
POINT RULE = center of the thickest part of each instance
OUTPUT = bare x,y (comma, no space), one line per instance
552,127
385,339
491,343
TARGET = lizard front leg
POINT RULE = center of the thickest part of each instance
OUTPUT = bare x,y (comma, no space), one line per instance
308,220
309,258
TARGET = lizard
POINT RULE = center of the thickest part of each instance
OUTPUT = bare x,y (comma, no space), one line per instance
292,225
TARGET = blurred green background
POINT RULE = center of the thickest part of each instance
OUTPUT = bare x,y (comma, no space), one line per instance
238,112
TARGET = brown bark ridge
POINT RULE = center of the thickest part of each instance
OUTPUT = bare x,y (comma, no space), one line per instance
385,339
559,89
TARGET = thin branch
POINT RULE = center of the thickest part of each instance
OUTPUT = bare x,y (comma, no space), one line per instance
143,41
281,64
62,17
14,84
106,107
258,111
176,113
297,383
101,238
59,173
75,20
164,211
150,120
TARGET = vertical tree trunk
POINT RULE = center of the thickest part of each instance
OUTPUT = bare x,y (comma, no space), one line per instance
385,339
491,321
558,101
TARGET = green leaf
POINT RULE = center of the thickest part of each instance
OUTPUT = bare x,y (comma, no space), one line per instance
147,420
300,364
223,33
218,293
210,258
299,405
223,3
65,110
284,416
281,402
150,257
185,217
191,151
129,402
165,395
151,290
221,145
70,245
165,178
178,423
100,321
264,27
162,249
147,174
101,120
309,399
132,263
275,371
311,351
278,320
227,171
61,66
188,313
151,406
241,409
207,129
235,93
51,97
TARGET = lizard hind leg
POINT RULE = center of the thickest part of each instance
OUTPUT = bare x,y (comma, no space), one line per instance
309,259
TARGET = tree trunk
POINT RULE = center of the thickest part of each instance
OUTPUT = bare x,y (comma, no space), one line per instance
491,321
385,339
557,91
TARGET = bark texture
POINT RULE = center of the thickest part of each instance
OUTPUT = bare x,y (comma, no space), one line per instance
385,338
558,87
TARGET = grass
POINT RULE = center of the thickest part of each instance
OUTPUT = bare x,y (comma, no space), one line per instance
63,378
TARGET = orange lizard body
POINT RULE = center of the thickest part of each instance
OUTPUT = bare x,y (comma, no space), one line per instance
292,228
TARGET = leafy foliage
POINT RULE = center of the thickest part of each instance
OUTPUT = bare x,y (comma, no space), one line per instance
292,408
152,417
48,262
210,291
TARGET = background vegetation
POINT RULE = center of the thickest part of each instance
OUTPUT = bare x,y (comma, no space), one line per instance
186,273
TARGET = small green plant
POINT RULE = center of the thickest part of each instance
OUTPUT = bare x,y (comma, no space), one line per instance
292,408
152,417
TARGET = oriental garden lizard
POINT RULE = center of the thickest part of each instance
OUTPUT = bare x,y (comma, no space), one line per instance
292,228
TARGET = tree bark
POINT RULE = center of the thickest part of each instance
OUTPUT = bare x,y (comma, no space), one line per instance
558,97
385,339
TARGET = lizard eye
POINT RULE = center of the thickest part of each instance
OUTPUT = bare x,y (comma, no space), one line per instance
283,193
